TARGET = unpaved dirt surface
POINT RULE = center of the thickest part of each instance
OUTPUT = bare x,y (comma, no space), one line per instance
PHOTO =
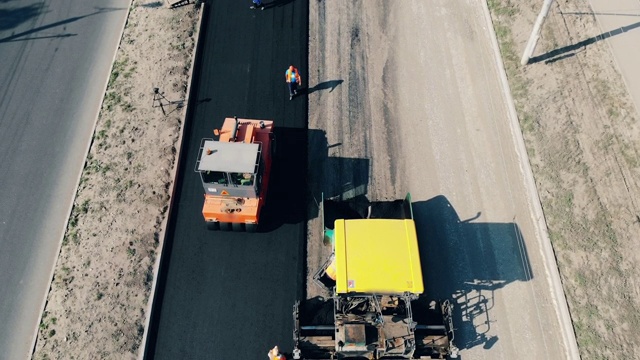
580,128
98,301
349,134
583,140
421,109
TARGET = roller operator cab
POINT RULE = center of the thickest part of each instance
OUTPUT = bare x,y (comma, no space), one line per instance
234,171
377,310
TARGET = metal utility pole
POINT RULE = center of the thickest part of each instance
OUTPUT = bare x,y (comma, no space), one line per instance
535,34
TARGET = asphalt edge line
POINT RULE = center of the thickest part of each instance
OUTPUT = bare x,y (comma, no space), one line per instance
79,177
174,172
540,222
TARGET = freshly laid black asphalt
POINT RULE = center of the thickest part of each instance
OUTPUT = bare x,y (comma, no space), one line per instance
229,295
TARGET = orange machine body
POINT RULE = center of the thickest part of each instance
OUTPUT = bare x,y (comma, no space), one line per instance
235,172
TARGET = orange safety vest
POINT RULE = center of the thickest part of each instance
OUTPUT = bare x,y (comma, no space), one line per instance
292,76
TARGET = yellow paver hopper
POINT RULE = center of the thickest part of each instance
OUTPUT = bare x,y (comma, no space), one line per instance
374,274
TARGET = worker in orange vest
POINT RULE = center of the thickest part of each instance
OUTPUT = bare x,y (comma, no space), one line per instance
274,354
292,76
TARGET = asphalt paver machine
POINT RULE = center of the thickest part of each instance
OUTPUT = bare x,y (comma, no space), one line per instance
375,277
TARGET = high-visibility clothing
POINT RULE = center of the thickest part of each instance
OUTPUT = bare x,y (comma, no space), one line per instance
274,354
331,270
292,76
276,357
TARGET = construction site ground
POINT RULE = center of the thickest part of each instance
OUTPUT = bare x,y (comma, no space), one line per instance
578,121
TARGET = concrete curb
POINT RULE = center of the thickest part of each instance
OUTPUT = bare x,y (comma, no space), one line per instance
540,223
79,176
172,190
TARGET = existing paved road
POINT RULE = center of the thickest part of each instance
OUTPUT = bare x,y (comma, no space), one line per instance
230,295
56,57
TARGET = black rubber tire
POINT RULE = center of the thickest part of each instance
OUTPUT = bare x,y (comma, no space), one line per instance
213,225
237,227
251,228
225,226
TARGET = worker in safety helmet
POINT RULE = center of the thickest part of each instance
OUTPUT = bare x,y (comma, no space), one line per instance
292,76
257,4
274,354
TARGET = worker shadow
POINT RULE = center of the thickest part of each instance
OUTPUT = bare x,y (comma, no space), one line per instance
276,3
153,5
467,262
331,85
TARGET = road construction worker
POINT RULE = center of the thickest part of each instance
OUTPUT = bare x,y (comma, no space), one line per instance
274,354
257,4
292,76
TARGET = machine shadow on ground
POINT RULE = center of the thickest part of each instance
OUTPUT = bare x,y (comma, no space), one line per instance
284,204
325,85
335,178
468,261
276,3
